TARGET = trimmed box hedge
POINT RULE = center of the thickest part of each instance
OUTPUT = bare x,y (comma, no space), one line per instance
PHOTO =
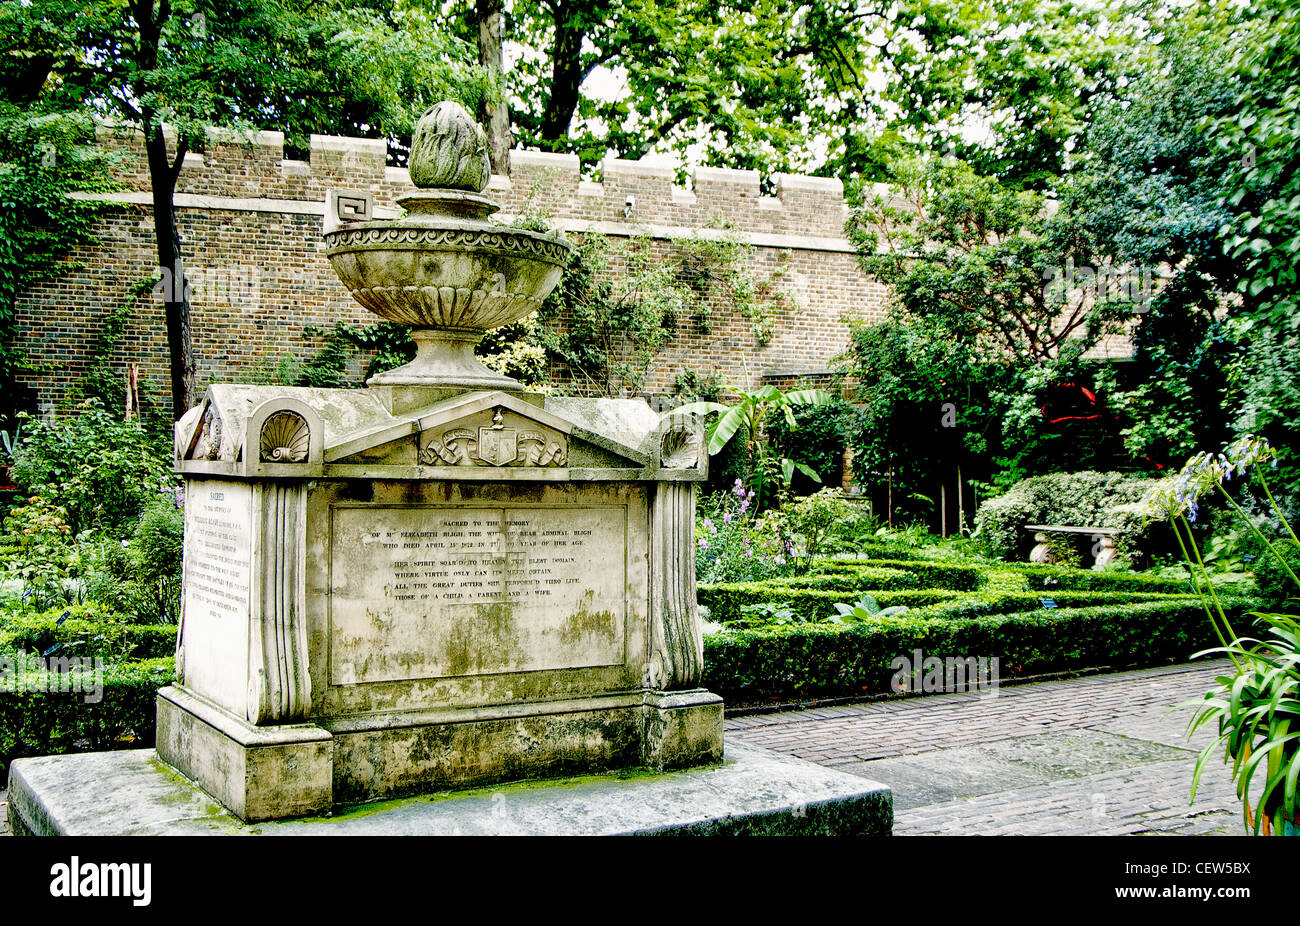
725,601
39,723
929,573
93,636
832,660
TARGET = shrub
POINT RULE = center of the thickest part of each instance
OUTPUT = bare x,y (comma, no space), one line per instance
102,471
827,522
930,574
42,558
817,441
1087,499
726,602
732,545
38,723
86,630
1276,586
142,578
830,660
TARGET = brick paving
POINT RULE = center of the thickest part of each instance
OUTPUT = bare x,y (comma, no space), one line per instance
1100,755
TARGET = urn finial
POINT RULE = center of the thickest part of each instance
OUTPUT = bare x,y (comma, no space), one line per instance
449,150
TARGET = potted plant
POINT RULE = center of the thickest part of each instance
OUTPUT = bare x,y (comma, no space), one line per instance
1256,709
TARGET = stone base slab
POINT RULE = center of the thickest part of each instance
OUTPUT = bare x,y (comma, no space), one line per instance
259,773
751,792
277,772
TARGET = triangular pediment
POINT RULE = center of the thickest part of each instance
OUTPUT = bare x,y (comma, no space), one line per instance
485,429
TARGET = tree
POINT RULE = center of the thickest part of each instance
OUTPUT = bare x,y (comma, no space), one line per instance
984,262
1257,136
985,328
177,68
839,87
1190,171
488,14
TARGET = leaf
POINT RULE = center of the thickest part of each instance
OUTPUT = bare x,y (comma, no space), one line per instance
726,428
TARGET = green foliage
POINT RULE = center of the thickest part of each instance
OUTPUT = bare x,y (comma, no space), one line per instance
833,88
1274,575
1086,499
102,471
864,609
971,256
143,577
1255,713
733,544
606,328
618,305
1256,707
826,522
726,601
43,556
817,440
1189,168
769,474
829,660
40,723
957,375
86,630
1258,136
931,574
43,157
253,63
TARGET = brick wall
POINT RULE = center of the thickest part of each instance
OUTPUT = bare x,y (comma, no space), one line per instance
251,223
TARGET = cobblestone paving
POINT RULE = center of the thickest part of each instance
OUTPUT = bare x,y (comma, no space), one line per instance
1100,755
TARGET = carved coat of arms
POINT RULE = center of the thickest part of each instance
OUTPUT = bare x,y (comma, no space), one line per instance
495,444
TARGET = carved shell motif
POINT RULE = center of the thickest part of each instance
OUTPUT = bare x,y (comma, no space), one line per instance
449,150
285,438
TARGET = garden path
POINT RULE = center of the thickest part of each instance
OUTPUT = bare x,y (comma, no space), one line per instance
1096,755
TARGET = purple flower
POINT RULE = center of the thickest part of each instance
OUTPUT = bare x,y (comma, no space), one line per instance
726,518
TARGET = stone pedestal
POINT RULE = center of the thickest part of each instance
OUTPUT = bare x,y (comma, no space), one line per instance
395,591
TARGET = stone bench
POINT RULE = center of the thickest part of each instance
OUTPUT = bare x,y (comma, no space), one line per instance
1041,553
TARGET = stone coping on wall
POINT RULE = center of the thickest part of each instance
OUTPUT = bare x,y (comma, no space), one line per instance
250,172
581,226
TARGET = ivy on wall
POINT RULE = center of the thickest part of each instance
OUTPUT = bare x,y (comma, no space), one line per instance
43,157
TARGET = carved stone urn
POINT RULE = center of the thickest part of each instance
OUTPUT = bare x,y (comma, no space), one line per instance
443,268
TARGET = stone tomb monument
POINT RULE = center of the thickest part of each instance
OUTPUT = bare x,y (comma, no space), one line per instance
438,582
481,589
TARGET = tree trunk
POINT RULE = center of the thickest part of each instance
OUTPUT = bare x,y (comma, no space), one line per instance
175,286
566,79
489,55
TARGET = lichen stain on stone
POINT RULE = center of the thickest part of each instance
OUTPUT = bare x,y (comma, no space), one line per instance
585,624
381,622
489,641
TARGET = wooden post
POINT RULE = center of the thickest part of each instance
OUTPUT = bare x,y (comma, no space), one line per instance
889,500
961,520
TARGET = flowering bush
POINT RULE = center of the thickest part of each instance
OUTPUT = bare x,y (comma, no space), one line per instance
1255,710
733,545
